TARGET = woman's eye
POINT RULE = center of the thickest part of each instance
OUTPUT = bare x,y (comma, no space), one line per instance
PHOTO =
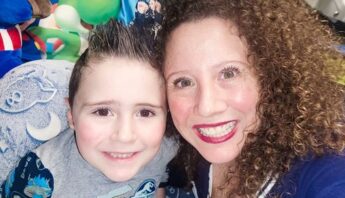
103,112
229,72
145,113
182,82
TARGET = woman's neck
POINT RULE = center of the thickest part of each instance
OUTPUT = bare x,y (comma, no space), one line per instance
220,175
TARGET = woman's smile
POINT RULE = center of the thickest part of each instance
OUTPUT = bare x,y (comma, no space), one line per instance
217,132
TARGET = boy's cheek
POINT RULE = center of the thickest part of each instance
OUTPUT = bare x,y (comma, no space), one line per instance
87,132
158,132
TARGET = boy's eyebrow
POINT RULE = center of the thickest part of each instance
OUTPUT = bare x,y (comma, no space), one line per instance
105,102
150,105
108,102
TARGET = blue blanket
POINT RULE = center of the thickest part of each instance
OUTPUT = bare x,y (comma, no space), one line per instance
32,108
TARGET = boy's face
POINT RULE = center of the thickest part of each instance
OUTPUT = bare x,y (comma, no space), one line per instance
119,115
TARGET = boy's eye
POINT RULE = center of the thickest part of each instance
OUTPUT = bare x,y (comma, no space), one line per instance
229,72
183,82
145,113
103,112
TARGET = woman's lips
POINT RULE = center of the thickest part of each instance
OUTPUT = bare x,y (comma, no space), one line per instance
216,133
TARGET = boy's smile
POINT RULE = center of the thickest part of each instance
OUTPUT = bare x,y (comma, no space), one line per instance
120,156
119,115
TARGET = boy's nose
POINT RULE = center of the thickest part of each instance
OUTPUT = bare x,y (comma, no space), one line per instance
124,131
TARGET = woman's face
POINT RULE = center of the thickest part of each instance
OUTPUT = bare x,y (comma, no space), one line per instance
212,90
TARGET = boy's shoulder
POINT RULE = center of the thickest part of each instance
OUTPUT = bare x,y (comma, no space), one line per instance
55,149
158,165
169,148
35,171
171,142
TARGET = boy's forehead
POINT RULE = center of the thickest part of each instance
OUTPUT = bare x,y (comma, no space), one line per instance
125,69
116,62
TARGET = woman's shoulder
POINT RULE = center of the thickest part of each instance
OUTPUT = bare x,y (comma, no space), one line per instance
328,166
315,177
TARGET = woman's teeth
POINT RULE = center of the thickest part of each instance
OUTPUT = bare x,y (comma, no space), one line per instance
217,131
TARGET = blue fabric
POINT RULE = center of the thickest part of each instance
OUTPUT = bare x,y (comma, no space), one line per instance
174,192
322,177
175,187
8,60
31,179
29,50
203,179
127,11
14,12
314,178
31,99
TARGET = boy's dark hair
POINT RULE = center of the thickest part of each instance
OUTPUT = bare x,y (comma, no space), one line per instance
112,39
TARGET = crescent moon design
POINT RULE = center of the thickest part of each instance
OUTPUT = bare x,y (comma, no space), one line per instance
46,133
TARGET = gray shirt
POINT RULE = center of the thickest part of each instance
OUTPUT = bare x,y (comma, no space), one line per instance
74,177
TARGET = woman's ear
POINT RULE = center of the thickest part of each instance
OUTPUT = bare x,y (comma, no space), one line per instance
69,114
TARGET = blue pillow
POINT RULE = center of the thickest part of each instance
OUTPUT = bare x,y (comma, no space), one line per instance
32,108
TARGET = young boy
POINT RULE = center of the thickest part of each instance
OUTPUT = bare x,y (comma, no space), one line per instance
115,147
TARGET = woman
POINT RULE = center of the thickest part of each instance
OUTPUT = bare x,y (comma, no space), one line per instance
253,94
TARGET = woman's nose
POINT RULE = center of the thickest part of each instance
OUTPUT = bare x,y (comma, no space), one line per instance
210,101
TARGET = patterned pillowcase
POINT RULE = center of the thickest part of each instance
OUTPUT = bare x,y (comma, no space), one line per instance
32,108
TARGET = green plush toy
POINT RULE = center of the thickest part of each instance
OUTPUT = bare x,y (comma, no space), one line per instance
74,19
96,11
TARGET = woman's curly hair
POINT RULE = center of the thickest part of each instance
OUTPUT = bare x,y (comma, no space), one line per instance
301,109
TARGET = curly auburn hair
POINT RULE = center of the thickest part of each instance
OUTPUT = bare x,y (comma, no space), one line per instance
301,105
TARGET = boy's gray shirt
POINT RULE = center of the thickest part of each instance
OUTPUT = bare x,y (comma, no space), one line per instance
75,177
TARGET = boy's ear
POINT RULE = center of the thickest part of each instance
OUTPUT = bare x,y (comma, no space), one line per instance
69,114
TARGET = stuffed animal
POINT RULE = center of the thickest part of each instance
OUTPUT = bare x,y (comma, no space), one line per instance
73,18
15,16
